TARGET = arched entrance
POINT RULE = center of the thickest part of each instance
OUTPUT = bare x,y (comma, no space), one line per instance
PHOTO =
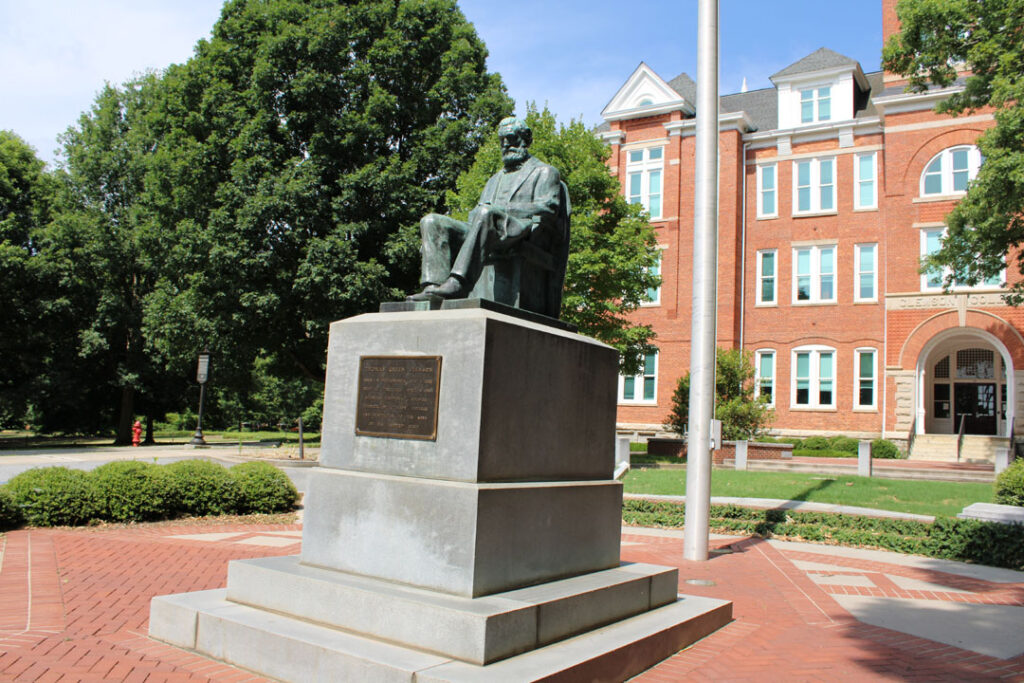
965,378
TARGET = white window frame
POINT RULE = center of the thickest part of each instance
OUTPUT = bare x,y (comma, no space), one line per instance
638,384
858,271
645,168
858,379
859,182
815,99
759,264
758,378
761,190
927,287
815,352
816,274
814,186
945,158
655,298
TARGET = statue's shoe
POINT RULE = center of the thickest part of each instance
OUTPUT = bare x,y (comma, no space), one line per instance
449,289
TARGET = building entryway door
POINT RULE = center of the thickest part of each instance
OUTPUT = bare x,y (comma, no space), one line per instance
976,405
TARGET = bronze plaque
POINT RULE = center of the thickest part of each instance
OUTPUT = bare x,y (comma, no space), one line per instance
398,396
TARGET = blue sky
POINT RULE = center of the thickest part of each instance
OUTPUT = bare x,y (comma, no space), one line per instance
570,54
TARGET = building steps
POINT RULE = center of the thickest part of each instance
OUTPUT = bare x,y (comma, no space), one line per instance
943,448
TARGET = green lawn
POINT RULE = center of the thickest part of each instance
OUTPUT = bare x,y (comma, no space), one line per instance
901,495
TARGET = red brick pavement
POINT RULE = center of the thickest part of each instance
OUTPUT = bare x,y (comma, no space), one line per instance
74,605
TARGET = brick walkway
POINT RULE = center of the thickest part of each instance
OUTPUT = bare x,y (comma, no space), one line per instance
74,606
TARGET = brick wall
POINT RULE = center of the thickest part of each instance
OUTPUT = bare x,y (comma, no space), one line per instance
755,450
904,143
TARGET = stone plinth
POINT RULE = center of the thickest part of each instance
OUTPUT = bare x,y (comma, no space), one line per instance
460,538
472,535
519,401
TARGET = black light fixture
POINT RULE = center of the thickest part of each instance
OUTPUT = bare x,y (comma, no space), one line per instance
202,374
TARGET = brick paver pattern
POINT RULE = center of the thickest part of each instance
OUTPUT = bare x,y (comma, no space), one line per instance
74,605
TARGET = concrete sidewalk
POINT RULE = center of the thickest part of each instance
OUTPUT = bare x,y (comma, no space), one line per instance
15,462
76,603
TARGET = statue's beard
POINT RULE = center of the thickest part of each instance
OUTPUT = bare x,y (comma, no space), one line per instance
513,157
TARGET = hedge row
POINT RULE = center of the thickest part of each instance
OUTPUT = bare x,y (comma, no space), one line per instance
880,448
965,540
132,491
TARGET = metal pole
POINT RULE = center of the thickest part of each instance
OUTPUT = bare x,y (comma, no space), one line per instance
197,438
705,269
302,451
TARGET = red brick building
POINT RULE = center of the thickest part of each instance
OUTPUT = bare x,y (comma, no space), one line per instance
832,184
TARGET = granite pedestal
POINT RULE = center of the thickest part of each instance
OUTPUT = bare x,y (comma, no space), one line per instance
473,536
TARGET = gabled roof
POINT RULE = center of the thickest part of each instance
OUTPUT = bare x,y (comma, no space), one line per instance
685,86
645,93
819,60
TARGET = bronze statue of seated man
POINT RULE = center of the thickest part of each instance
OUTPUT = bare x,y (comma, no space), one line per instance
524,202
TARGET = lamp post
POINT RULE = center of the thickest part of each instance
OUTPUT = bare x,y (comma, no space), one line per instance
202,373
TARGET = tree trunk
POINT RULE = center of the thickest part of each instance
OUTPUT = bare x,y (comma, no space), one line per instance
149,440
124,424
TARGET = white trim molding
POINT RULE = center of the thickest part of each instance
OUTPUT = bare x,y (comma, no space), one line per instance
733,120
912,101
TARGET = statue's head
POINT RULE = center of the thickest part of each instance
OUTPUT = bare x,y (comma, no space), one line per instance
515,137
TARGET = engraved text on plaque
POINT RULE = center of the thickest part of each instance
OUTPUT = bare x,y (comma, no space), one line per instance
398,396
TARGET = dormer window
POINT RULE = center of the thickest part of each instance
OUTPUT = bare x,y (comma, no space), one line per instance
815,104
645,102
821,89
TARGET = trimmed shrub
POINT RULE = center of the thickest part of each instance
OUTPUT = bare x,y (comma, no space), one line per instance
815,443
10,515
885,449
1010,484
55,496
845,444
964,540
132,491
200,487
263,488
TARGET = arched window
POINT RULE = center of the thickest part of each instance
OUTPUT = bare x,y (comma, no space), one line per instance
950,170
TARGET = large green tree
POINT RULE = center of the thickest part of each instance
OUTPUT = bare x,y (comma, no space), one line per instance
938,38
612,245
294,148
105,241
25,203
269,185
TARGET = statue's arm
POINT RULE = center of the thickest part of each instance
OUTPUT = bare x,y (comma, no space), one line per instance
542,207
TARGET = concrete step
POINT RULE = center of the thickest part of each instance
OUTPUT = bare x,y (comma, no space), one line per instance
287,648
943,447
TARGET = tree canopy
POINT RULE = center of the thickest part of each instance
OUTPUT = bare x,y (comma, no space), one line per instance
939,39
246,198
612,245
25,204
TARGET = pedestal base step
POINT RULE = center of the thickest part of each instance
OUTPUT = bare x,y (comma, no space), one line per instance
292,649
477,630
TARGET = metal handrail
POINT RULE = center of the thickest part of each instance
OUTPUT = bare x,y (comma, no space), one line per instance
960,438
1013,446
911,436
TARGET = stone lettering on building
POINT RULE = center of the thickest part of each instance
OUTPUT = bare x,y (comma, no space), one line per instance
906,302
397,396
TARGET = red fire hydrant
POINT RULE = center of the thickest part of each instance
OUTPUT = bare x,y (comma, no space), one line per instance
136,433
